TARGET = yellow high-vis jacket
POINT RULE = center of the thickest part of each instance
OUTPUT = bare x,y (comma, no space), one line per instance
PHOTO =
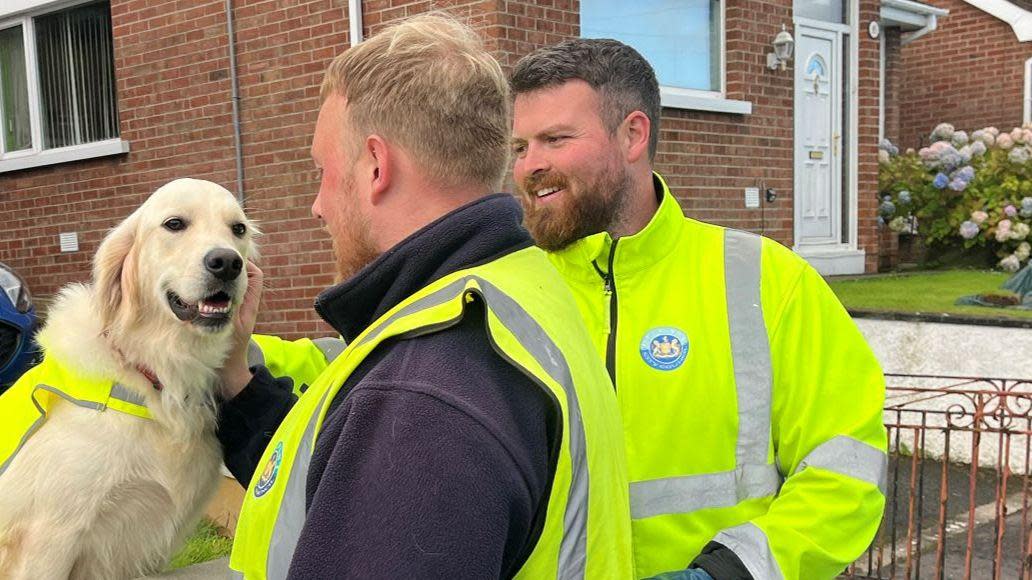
302,360
752,405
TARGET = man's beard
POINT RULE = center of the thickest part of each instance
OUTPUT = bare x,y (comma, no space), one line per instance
353,245
587,208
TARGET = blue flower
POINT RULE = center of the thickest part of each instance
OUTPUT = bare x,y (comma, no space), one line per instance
968,230
1026,207
887,208
958,184
941,181
966,173
904,197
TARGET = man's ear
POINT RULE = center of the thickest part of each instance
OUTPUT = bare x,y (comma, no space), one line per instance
114,270
381,170
635,132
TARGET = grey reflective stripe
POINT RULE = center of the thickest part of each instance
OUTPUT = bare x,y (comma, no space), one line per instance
122,393
330,347
750,544
573,548
255,356
436,298
291,516
42,417
850,457
750,349
679,495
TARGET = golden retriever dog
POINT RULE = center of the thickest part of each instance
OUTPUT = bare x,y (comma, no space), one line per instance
99,494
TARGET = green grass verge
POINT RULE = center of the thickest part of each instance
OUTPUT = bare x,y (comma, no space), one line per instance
207,543
924,292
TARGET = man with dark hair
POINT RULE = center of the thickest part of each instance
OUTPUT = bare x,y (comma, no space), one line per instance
751,403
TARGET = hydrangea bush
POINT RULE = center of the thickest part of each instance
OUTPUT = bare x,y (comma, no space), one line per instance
970,190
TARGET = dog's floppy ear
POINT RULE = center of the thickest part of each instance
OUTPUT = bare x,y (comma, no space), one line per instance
113,277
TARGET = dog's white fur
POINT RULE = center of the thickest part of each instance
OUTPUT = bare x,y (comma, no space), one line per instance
101,494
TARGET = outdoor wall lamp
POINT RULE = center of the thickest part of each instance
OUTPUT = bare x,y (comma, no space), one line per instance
783,45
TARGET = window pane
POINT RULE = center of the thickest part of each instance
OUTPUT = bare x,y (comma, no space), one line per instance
14,91
681,39
76,76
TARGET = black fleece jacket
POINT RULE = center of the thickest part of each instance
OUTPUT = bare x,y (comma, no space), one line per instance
436,458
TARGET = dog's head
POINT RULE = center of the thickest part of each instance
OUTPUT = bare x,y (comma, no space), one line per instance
181,256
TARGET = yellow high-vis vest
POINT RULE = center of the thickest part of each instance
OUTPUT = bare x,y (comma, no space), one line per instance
25,406
752,405
533,324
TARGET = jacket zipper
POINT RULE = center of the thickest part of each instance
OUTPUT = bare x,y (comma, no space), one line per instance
609,290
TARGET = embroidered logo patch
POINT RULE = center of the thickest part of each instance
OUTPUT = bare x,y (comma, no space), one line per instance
270,472
664,348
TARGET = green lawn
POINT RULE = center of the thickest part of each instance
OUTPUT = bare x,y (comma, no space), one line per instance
207,543
924,292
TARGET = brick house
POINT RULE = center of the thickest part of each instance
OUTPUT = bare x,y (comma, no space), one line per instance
975,71
102,102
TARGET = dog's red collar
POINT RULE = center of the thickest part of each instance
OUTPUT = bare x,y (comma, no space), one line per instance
146,372
150,376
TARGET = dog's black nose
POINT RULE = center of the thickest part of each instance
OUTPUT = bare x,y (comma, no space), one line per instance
224,264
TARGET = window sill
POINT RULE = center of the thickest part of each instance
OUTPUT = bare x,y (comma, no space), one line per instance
65,154
675,100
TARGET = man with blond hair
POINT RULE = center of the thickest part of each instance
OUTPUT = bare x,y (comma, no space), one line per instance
468,430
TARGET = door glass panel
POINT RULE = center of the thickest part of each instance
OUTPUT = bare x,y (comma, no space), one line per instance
824,10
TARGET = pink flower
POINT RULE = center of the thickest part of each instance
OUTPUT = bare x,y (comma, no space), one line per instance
1004,141
979,217
1017,135
1004,225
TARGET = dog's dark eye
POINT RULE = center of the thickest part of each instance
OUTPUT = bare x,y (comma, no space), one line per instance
239,230
174,224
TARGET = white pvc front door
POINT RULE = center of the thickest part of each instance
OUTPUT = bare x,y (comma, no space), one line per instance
818,103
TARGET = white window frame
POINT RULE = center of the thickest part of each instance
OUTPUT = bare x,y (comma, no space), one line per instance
1027,117
21,12
699,100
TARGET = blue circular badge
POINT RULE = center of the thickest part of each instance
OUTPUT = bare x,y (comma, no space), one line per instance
664,348
268,476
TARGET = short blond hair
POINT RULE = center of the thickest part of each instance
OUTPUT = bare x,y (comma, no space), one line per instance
429,85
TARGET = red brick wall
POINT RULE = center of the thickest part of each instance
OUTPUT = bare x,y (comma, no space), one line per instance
283,48
868,88
969,72
175,107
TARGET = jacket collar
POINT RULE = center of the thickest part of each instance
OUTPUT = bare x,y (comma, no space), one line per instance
473,234
633,253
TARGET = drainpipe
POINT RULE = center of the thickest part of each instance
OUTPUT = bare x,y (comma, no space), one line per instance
355,20
236,103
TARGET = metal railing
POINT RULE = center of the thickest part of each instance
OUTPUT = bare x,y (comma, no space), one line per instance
958,480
